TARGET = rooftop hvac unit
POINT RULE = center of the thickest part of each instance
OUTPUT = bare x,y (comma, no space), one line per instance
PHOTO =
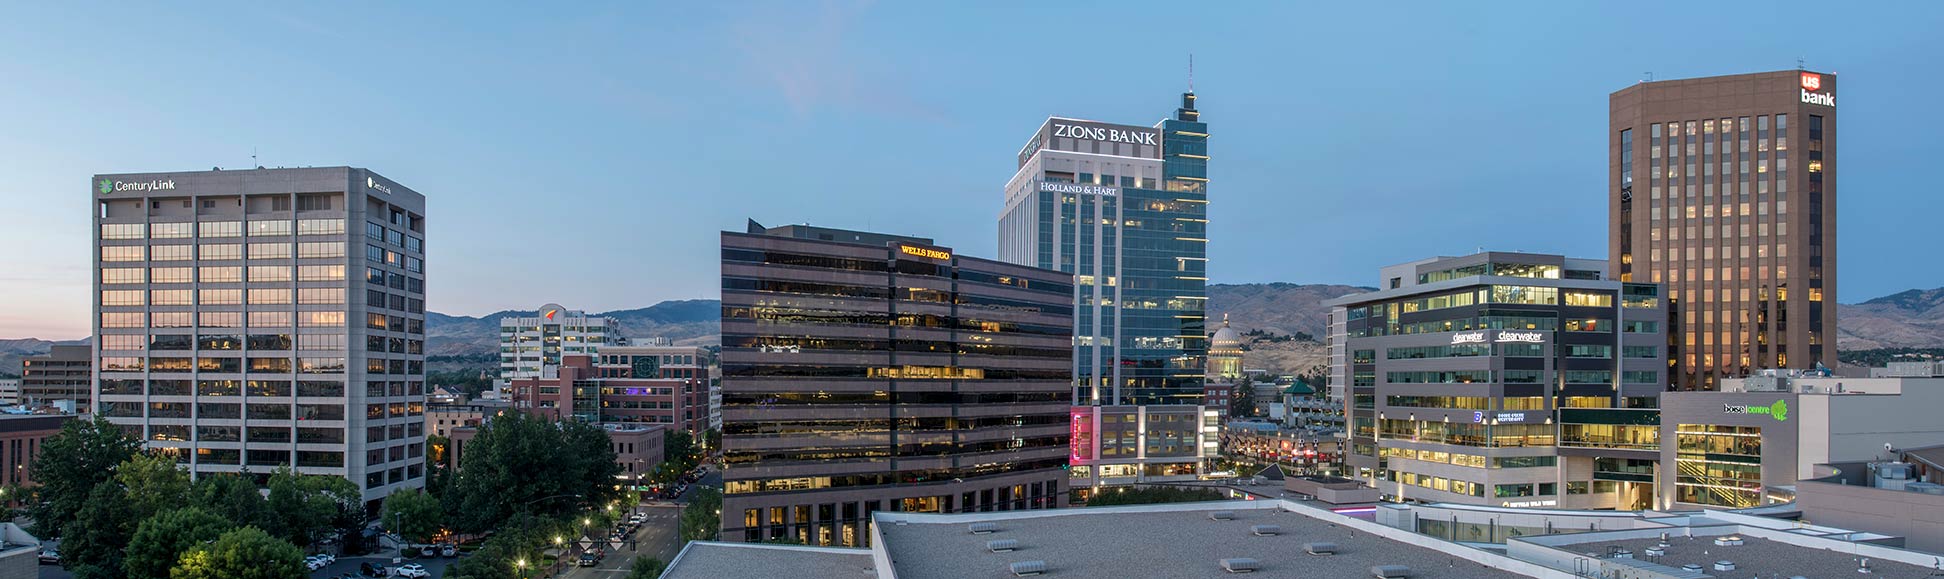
1728,541
1320,548
1002,545
1926,488
1025,568
1691,567
983,528
1390,571
1265,530
1893,470
1724,565
1221,516
1240,565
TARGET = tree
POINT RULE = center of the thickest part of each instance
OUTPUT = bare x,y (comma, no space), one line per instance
647,568
161,540
152,484
519,463
70,464
412,514
712,440
245,553
702,518
1242,401
678,447
93,541
231,496
304,507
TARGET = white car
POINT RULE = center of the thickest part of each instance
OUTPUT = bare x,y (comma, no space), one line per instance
314,563
327,558
412,571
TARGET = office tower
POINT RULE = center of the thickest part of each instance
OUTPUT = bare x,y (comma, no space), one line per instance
1505,379
62,378
1724,191
528,343
1124,209
661,385
890,376
250,320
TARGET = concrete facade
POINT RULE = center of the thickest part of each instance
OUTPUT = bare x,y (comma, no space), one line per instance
62,378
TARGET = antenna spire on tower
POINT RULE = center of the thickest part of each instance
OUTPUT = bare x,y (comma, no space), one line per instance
1191,72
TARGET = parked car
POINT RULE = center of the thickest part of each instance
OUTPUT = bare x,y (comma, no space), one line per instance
50,557
448,550
588,559
314,563
327,557
412,571
369,569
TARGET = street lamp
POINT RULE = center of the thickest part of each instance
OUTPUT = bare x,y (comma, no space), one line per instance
522,565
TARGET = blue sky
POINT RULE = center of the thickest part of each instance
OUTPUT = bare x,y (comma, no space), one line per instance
586,154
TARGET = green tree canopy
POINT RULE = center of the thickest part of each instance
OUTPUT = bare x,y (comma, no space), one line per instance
519,463
245,553
160,541
152,484
70,464
412,514
646,568
702,518
231,496
92,545
304,507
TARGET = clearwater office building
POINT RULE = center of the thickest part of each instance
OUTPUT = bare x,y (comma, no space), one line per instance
1124,209
866,372
1503,379
255,319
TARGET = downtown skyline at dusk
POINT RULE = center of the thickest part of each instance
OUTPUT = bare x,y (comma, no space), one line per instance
641,130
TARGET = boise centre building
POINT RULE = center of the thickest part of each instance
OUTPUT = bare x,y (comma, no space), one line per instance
257,319
1504,379
1124,209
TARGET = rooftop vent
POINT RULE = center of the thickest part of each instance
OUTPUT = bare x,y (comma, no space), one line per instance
1266,530
1728,541
1390,571
1691,567
1221,516
1025,568
1240,565
983,528
1002,545
1320,548
1724,565
1656,551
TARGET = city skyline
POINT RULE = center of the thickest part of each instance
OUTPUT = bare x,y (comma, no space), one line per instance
794,92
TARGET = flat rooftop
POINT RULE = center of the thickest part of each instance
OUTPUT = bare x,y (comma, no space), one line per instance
712,560
1755,557
1152,541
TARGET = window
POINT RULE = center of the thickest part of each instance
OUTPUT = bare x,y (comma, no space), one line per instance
170,230
321,272
219,297
124,342
320,227
121,230
171,253
1584,299
268,228
122,320
220,274
374,254
320,319
270,250
269,273
122,253
375,321
277,296
320,295
320,365
220,319
413,245
320,249
269,319
121,297
171,297
219,229
375,232
324,342
414,265
171,275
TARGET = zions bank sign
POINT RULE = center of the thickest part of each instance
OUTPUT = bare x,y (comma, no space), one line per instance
1105,133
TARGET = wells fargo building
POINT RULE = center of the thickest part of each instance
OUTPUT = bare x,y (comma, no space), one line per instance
1723,189
864,372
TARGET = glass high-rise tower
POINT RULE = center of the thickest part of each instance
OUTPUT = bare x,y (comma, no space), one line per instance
1124,209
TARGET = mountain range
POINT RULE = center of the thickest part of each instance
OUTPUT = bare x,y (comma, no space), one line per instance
1288,320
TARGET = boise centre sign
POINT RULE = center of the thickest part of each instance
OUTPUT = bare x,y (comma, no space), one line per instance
1778,410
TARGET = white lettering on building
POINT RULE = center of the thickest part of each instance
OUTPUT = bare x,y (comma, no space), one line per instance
374,184
1105,134
1815,98
1527,337
156,185
1468,338
1078,188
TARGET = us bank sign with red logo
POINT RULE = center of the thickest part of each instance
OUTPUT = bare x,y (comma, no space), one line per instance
1811,87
